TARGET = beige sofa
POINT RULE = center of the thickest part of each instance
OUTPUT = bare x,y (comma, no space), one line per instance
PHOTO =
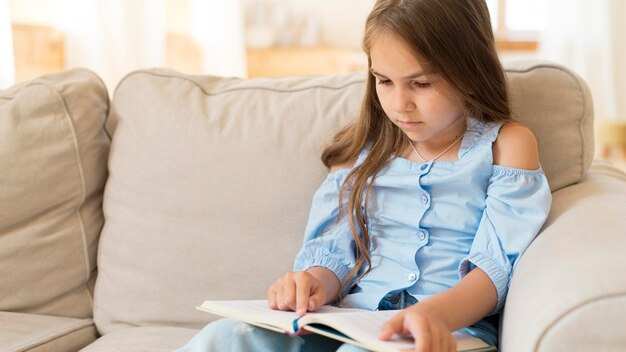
118,217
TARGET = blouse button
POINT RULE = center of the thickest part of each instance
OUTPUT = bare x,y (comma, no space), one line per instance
412,277
424,167
424,199
422,235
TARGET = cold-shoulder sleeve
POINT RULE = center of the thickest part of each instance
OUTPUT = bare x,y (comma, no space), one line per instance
327,243
518,202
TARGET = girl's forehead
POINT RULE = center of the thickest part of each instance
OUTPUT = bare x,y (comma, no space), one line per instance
390,54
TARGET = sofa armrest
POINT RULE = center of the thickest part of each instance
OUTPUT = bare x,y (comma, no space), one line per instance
568,292
21,332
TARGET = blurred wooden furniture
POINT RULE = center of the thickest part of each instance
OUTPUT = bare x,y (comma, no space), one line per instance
612,140
38,50
295,61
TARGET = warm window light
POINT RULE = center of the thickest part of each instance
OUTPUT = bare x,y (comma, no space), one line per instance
7,63
493,12
218,27
527,15
518,19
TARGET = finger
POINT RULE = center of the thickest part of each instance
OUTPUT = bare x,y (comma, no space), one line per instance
452,344
439,339
289,291
290,294
394,325
303,291
420,330
317,298
280,297
271,297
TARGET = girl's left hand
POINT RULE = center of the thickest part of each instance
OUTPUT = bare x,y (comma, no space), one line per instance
427,327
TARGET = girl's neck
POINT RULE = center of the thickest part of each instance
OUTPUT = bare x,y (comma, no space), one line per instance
434,146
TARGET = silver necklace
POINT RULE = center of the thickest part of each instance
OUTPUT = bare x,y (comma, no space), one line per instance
440,154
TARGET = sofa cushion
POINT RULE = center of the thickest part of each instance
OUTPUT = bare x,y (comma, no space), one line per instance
201,200
143,339
53,152
211,180
40,333
556,104
577,265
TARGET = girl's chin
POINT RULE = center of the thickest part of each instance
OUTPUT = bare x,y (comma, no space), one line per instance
415,136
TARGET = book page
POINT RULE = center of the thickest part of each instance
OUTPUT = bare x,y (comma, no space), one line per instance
364,326
256,312
259,313
356,326
360,325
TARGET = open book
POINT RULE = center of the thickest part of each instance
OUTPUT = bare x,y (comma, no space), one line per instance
355,326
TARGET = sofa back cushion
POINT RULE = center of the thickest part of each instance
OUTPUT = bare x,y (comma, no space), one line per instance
211,180
53,154
556,104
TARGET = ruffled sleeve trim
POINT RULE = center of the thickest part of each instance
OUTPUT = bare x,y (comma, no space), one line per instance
323,257
478,133
499,170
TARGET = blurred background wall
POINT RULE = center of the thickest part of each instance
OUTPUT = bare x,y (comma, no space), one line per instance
261,38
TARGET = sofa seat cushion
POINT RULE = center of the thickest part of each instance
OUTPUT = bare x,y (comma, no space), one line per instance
53,153
39,333
143,339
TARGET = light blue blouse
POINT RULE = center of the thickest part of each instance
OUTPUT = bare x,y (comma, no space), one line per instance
431,223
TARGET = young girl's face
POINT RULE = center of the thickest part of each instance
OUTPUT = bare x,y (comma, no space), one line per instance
421,103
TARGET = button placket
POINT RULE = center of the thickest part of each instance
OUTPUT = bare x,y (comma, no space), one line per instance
425,168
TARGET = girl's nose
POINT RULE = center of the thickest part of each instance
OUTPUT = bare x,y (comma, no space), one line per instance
403,102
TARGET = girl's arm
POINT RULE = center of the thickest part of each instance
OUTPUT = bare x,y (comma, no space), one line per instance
473,298
433,319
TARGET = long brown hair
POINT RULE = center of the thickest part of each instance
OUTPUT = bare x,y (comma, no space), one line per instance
455,39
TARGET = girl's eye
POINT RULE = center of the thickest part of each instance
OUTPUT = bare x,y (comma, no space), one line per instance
384,82
422,84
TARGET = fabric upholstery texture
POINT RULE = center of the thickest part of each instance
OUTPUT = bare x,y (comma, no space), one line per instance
567,267
142,339
556,104
202,171
202,177
53,152
40,333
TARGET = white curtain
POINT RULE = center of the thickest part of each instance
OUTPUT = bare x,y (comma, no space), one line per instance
590,37
218,26
7,62
114,37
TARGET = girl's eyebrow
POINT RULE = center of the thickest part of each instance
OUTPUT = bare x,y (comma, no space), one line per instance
411,76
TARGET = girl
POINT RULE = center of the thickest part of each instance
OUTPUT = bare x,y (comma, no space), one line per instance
433,195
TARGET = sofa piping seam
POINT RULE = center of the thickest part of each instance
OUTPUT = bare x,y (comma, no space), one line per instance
78,326
571,311
569,73
81,173
185,78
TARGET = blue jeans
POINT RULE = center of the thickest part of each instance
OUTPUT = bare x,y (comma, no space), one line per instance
235,336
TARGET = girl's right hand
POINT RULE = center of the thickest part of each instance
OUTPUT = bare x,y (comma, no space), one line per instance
298,291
